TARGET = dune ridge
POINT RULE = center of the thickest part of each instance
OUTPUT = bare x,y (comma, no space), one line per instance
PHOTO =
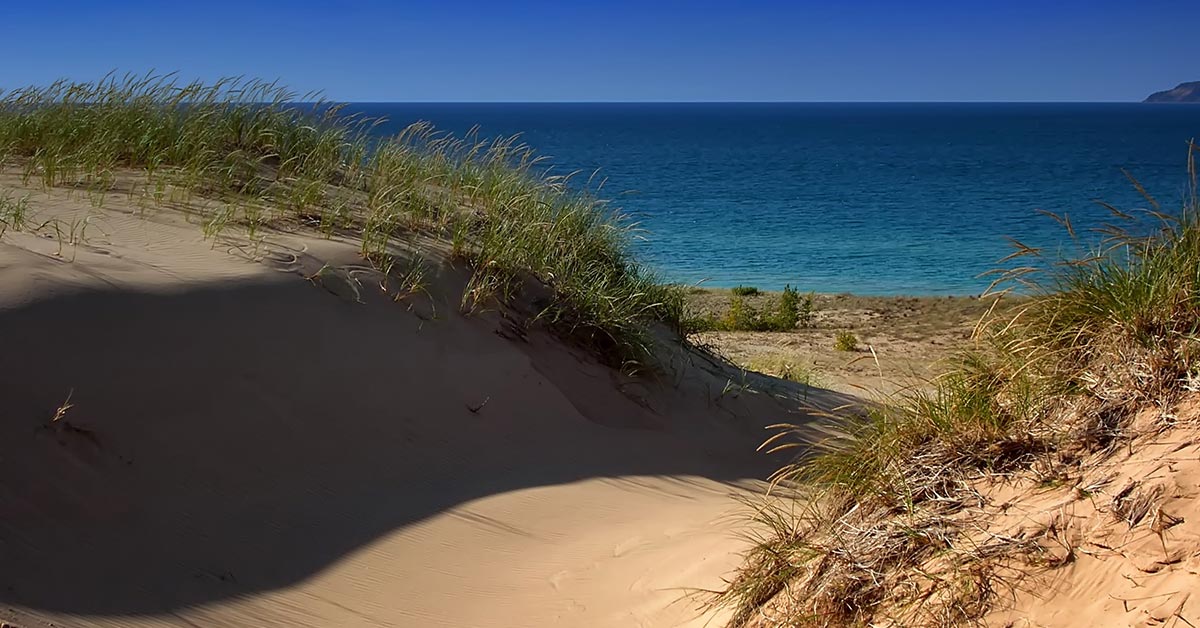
239,445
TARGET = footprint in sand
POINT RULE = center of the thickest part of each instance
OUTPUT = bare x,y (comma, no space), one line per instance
628,546
559,578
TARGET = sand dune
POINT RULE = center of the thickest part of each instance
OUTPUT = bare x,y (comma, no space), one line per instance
243,447
1127,537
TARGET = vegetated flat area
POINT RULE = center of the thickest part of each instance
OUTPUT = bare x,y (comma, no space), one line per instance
237,431
902,341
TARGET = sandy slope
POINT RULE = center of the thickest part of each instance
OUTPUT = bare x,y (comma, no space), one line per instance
243,447
1123,541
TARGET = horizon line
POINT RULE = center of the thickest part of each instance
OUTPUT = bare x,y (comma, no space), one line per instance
744,102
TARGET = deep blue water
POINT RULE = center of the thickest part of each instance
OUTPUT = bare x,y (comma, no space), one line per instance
867,198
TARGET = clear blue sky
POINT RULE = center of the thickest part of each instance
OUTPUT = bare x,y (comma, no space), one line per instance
623,50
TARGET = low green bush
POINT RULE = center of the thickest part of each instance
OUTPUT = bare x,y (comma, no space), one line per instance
783,313
745,291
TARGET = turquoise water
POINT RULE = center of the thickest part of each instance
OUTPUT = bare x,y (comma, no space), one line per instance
866,198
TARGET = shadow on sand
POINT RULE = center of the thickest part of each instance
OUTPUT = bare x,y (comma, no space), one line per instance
227,440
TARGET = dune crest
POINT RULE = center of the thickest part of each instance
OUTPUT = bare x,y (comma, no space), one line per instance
195,434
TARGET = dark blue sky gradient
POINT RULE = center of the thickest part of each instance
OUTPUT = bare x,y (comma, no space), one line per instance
858,50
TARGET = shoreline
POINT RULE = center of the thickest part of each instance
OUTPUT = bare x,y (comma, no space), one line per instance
706,288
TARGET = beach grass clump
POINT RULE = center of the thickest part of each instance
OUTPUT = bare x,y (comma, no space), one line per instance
14,213
884,517
845,340
515,226
231,135
531,237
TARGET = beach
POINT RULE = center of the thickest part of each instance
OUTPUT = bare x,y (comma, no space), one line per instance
261,368
902,342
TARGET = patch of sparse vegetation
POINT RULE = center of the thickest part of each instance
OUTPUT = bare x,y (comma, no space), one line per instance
744,291
270,163
775,313
845,341
785,369
883,520
14,213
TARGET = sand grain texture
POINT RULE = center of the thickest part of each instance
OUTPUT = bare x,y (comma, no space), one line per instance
1127,535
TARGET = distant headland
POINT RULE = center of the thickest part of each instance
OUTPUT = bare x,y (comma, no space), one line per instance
1184,92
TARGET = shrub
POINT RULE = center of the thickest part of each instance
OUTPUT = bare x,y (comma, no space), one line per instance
745,291
793,310
788,312
777,314
807,309
743,316
846,341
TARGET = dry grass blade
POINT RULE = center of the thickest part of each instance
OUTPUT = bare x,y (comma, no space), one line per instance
62,410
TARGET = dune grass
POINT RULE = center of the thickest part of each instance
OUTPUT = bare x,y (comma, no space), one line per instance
266,161
785,369
883,519
14,212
